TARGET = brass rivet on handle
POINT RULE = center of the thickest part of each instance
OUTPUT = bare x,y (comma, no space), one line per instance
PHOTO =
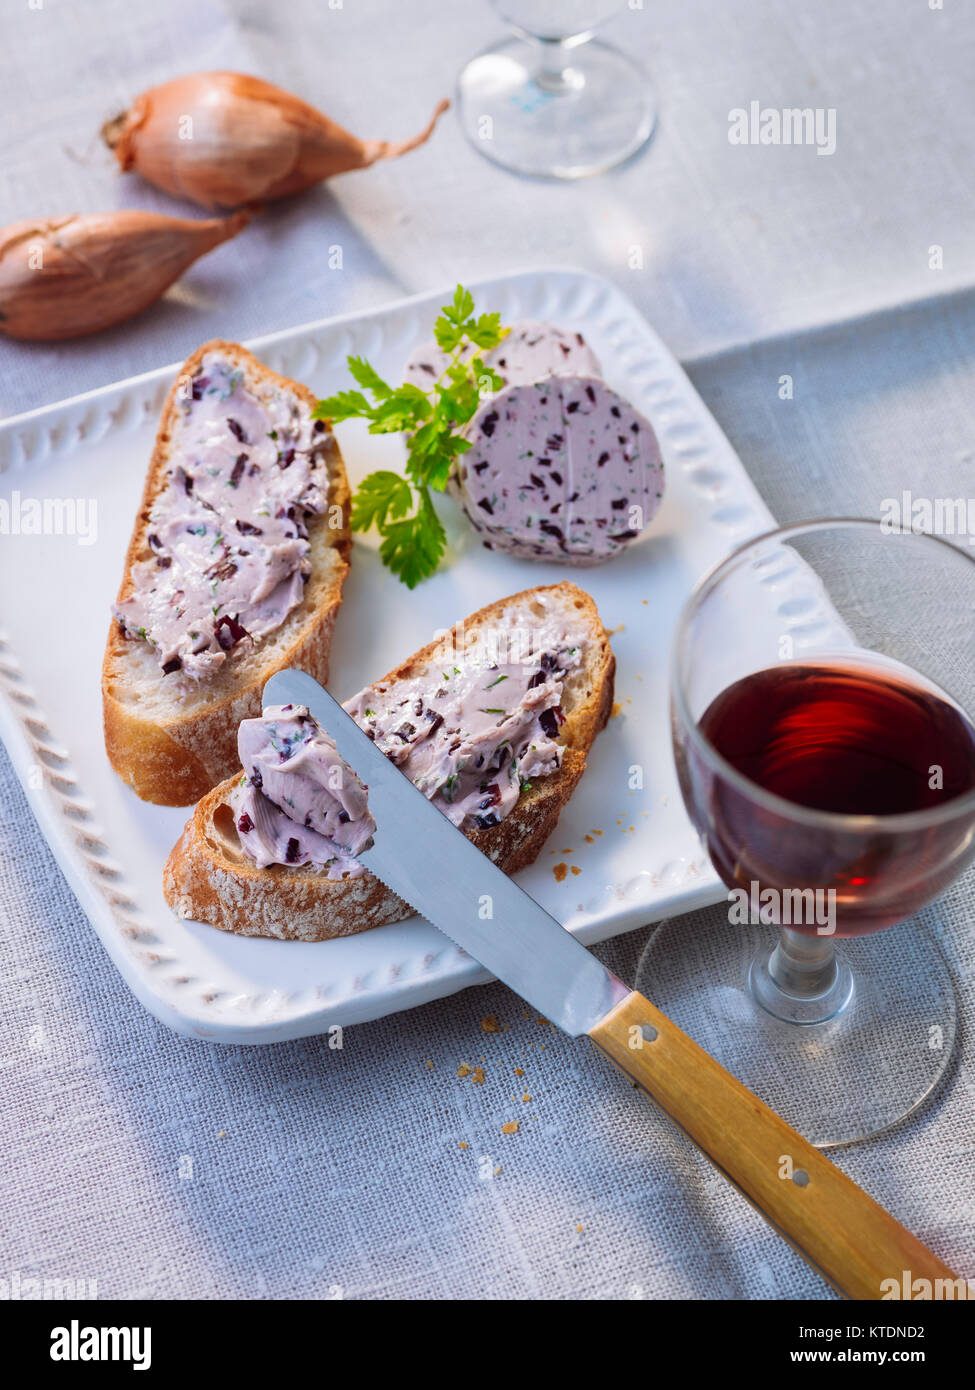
800,1177
648,1033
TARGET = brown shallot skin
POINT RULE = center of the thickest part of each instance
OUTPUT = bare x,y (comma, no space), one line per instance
65,277
224,139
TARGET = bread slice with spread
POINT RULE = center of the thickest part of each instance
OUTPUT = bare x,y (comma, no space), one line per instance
234,571
493,722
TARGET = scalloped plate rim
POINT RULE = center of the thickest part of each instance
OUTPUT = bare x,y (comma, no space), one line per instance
453,970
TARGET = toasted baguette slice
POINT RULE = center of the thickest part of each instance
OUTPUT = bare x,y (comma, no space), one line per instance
208,878
172,745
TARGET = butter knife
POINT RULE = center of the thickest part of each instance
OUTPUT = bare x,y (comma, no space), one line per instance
833,1224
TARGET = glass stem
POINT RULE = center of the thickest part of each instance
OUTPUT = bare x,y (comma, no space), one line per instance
553,73
803,965
801,980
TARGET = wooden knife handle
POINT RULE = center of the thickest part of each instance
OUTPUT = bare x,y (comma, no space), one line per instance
823,1215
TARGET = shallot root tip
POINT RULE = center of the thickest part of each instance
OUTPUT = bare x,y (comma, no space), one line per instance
392,149
111,130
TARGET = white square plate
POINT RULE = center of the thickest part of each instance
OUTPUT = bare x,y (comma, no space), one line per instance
631,854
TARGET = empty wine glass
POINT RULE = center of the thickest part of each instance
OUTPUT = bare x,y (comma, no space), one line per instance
822,688
552,100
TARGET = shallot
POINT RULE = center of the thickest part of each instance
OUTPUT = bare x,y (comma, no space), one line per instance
67,276
223,139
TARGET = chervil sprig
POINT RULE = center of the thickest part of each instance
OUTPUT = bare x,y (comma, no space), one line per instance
400,506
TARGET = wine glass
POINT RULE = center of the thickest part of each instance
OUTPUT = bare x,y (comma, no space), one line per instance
820,682
552,100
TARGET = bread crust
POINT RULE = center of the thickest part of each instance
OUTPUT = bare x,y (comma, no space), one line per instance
173,756
207,877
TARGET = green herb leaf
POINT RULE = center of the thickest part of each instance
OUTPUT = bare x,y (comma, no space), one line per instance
447,334
413,548
368,377
403,408
381,496
344,405
463,305
486,331
401,508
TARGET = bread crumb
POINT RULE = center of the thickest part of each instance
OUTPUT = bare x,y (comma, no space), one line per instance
478,1077
616,709
221,1134
519,1071
430,1066
596,832
590,840
579,1228
576,869
543,1021
510,1128
463,1070
462,1144
620,627
497,1170
560,871
644,601
526,1098
490,1024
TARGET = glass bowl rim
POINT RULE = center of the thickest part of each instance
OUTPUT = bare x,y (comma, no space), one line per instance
903,821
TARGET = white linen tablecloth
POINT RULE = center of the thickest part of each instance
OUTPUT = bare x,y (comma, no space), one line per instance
162,1167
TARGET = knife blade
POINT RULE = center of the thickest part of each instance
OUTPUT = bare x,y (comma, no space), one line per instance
454,885
837,1228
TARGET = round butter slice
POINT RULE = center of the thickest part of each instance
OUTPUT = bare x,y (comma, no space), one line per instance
562,469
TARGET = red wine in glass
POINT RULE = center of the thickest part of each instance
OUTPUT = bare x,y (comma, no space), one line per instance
846,739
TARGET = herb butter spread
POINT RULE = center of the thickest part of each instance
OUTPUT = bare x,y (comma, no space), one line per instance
478,725
298,802
230,551
561,469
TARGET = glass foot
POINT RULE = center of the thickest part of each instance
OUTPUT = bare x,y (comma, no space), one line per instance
565,117
883,1038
